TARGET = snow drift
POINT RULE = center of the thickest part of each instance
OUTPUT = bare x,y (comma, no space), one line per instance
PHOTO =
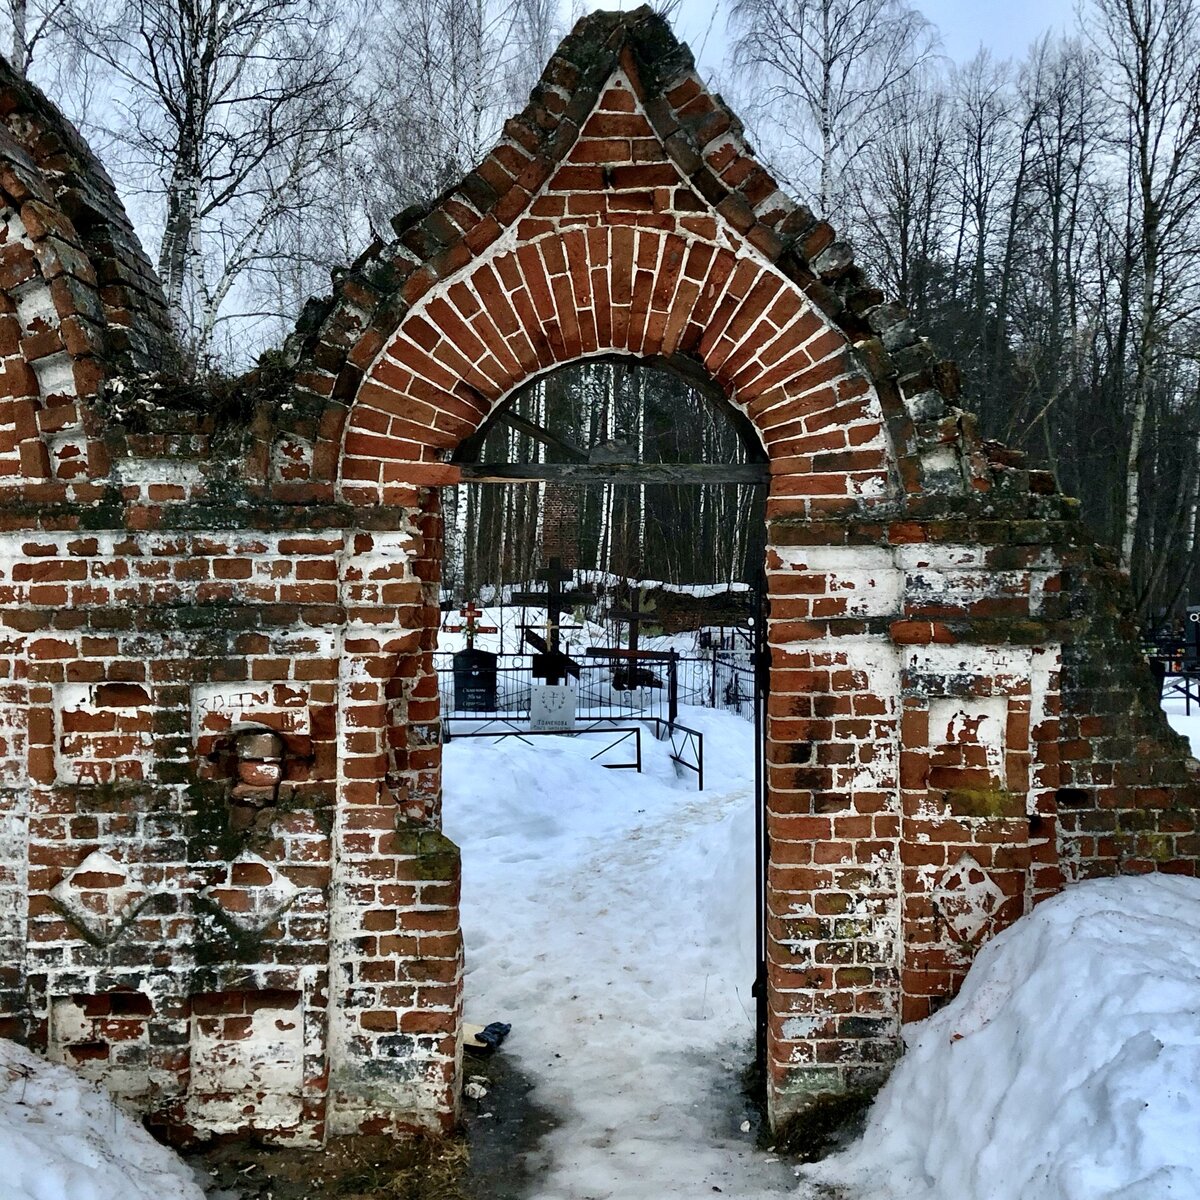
62,1138
1067,1069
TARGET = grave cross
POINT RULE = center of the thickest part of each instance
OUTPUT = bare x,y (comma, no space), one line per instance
633,616
632,676
554,600
551,663
471,624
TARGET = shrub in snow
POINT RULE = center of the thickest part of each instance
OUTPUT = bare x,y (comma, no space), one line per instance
1067,1069
64,1139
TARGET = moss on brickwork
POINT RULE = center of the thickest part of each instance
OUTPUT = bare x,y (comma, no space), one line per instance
985,803
433,856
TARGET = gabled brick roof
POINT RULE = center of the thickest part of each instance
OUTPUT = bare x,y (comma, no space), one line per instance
72,213
338,338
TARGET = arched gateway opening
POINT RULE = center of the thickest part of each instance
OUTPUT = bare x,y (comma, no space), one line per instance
623,215
602,735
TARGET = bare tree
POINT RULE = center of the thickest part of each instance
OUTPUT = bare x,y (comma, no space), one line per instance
1152,49
902,185
826,71
448,73
32,24
232,108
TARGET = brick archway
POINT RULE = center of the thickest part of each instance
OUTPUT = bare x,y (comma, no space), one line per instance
649,293
959,723
612,247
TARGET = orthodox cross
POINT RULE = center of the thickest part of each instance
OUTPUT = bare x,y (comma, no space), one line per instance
550,663
471,624
633,616
631,675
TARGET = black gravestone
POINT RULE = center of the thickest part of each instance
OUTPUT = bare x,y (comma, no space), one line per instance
474,681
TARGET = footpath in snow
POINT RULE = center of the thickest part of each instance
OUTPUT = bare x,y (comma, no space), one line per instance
609,916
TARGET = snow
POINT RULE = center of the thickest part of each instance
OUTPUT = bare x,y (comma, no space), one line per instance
62,1138
610,917
608,581
1183,722
1068,1068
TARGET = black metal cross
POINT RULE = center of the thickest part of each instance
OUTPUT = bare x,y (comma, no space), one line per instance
631,675
550,663
554,600
633,616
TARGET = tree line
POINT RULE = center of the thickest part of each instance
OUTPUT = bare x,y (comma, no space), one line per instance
1040,218
673,532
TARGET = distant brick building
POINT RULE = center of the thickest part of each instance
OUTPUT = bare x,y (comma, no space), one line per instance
223,885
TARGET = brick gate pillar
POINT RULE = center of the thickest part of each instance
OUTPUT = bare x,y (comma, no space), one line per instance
833,821
396,948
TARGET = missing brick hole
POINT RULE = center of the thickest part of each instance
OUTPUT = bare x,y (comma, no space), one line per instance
1072,797
121,695
88,1051
252,760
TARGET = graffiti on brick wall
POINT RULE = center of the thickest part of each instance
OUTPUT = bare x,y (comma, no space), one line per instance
219,707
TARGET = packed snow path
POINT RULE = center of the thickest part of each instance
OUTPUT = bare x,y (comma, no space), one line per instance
609,916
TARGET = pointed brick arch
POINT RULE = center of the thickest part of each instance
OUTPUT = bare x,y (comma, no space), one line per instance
624,214
959,719
622,211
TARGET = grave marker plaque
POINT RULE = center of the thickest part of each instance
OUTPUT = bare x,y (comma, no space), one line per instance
551,707
474,681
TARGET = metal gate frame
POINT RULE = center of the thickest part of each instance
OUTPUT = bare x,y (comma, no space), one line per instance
762,849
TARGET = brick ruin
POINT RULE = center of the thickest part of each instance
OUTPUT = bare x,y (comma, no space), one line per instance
223,886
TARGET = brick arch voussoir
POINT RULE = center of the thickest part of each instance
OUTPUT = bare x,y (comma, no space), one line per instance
575,293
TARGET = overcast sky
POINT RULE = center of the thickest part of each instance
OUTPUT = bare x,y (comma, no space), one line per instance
1006,27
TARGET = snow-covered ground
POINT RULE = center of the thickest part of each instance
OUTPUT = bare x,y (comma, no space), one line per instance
609,917
64,1139
1067,1069
1183,722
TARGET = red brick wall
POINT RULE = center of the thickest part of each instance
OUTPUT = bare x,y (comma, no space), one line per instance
955,721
